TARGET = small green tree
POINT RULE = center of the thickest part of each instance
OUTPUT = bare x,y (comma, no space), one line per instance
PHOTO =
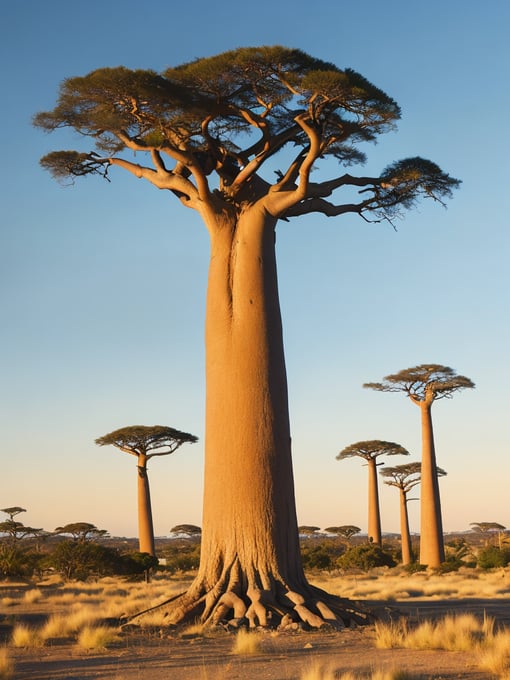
145,442
371,451
488,529
347,531
81,531
424,384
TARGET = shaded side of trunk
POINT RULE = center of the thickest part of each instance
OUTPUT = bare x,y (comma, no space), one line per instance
374,513
405,534
145,526
431,525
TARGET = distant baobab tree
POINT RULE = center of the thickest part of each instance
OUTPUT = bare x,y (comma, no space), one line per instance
405,477
145,442
424,384
371,450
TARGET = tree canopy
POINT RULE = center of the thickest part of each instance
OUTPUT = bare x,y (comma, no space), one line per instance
372,449
147,440
426,382
231,114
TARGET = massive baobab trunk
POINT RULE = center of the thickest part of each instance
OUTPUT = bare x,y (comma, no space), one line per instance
431,529
250,561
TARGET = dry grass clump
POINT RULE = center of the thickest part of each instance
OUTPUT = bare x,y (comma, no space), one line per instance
33,595
8,601
496,657
453,633
318,672
23,636
6,664
98,637
247,643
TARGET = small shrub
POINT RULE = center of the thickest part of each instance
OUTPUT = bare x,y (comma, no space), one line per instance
492,557
365,556
33,595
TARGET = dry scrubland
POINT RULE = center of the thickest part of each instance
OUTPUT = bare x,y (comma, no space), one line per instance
454,625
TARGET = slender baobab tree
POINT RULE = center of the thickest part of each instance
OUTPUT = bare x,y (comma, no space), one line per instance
145,442
370,451
424,384
404,478
237,137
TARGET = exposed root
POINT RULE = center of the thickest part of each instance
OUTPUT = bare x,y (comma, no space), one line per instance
255,607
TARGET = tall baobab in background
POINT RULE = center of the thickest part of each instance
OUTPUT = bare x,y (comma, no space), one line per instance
145,442
424,384
370,451
404,478
236,138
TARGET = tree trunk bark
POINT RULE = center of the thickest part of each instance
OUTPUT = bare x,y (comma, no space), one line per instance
431,529
250,566
405,534
374,513
145,527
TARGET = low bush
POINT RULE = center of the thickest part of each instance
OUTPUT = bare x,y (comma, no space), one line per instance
493,557
365,556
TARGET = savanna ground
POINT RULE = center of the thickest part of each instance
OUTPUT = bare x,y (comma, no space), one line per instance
57,631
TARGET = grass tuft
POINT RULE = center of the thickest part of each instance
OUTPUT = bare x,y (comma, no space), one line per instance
33,595
99,637
23,636
246,643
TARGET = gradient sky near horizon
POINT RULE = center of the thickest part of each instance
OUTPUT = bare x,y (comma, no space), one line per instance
102,285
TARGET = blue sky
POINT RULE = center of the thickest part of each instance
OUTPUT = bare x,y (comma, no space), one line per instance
102,286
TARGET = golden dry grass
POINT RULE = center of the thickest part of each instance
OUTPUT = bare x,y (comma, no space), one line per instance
98,637
26,637
6,664
247,643
319,672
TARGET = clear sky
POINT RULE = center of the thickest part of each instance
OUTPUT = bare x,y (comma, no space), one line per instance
103,285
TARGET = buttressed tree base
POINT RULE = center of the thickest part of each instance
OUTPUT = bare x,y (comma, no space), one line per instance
211,133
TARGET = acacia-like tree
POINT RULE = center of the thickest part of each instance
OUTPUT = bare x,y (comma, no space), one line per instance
145,442
370,451
186,529
404,478
488,528
424,384
347,531
12,512
236,137
81,531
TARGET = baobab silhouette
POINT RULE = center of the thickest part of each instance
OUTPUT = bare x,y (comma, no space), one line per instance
145,442
424,384
405,477
370,451
236,138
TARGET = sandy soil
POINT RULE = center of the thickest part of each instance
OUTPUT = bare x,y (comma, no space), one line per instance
158,655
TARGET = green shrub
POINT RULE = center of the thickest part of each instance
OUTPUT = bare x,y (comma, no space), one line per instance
17,561
182,556
492,557
365,556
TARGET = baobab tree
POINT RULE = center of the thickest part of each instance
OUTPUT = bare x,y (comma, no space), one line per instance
424,384
404,478
370,451
145,442
236,137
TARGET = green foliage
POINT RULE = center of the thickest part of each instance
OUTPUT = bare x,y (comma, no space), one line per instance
317,556
81,531
17,561
346,530
74,559
152,440
372,449
186,529
181,556
492,557
365,556
425,380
